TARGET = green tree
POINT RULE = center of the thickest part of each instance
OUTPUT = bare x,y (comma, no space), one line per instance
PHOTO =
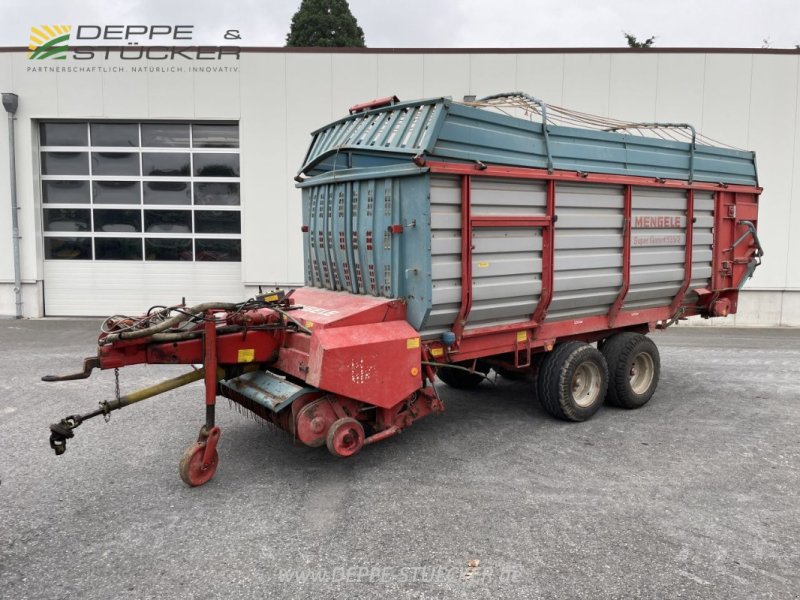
633,41
324,24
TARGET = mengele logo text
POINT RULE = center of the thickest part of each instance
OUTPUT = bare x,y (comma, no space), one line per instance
657,222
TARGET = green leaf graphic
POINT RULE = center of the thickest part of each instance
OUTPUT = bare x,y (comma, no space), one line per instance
50,48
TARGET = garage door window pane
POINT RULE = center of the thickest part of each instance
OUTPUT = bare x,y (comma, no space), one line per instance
215,136
167,249
219,250
117,192
165,135
158,191
167,192
209,193
115,163
118,221
115,134
68,248
216,165
66,219
63,134
164,164
118,248
217,221
65,192
168,221
65,163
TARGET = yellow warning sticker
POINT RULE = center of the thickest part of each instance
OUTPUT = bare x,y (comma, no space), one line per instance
437,352
246,355
412,343
309,324
483,264
271,298
522,336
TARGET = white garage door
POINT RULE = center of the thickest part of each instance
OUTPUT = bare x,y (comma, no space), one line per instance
139,213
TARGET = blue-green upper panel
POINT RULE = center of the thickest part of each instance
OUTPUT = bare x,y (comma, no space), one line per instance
386,133
440,128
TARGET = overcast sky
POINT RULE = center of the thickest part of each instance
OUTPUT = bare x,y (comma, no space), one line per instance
443,23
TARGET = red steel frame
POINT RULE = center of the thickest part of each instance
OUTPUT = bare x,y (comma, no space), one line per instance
501,339
626,257
548,254
687,276
466,251
210,359
543,174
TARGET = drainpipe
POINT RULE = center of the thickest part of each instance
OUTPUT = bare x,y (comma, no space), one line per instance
10,103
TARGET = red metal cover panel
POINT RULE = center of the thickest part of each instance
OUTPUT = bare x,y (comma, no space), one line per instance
324,308
378,363
730,260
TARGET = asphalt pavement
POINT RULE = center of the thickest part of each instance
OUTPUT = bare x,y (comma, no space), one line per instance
695,495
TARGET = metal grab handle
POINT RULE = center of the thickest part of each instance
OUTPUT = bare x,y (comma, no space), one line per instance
542,105
756,260
751,230
656,125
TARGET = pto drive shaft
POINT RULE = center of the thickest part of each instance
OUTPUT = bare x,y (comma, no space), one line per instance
60,432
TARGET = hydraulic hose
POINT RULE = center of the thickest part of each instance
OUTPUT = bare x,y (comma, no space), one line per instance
184,315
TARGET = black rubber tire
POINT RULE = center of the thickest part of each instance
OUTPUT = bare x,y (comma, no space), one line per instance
462,380
555,380
620,351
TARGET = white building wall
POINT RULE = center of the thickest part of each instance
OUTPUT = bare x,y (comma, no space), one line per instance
747,99
6,260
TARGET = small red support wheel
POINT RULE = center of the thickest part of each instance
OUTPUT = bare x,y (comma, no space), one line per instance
191,467
345,437
199,461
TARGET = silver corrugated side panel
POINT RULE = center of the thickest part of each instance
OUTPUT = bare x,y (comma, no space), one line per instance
702,243
506,261
588,250
658,253
445,197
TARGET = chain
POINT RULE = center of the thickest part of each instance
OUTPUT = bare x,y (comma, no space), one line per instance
107,415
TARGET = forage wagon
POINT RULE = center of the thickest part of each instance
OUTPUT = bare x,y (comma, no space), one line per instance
444,239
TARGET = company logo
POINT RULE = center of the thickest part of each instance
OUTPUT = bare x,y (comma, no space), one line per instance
49,41
126,42
657,222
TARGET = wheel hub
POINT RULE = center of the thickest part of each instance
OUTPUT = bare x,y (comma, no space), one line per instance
586,384
345,437
641,373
